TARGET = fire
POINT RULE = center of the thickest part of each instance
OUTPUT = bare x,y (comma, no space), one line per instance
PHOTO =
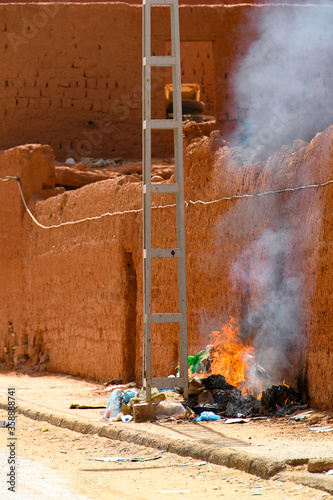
229,355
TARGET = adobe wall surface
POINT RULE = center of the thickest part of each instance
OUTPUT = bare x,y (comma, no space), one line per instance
71,73
73,295
64,81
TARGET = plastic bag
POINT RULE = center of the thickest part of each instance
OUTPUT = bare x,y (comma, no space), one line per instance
129,394
207,415
113,406
167,408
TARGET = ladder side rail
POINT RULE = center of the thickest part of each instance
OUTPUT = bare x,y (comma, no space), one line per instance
180,215
146,145
176,125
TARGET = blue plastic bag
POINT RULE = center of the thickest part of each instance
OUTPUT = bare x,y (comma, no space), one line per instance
129,394
113,406
207,415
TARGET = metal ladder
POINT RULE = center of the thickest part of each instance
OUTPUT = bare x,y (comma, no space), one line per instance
176,188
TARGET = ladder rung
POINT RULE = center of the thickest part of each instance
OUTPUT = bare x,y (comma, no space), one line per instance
159,61
167,318
165,188
167,382
161,188
162,252
160,2
164,124
165,252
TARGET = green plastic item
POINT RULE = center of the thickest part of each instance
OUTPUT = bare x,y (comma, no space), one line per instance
194,362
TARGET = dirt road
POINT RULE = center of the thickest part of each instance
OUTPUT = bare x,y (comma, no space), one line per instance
57,463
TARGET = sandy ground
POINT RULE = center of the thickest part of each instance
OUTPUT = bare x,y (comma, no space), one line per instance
58,463
280,438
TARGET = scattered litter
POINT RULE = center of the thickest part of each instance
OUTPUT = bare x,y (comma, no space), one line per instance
75,406
129,394
126,418
201,463
120,460
207,415
298,417
195,362
330,472
174,491
301,416
113,406
117,418
99,162
70,161
328,428
237,421
112,387
167,409
195,386
183,465
6,423
298,488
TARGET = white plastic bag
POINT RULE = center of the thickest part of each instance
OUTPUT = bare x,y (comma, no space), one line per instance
167,409
113,406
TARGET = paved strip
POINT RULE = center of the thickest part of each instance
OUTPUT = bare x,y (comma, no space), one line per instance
252,464
262,467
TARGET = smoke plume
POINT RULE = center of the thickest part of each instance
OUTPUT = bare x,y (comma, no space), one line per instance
272,320
284,87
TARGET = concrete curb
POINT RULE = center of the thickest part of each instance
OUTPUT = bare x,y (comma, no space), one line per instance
317,481
258,466
252,464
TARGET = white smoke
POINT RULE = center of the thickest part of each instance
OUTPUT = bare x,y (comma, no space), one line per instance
272,319
284,87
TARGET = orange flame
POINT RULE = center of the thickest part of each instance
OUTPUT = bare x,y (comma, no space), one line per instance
229,355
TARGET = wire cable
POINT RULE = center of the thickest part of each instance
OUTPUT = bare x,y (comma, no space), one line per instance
186,203
263,193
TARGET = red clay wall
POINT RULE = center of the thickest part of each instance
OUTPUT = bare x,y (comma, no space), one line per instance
71,74
74,294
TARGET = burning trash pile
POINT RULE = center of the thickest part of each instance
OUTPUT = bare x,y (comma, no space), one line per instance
226,380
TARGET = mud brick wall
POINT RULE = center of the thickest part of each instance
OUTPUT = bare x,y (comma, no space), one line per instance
71,74
64,81
73,295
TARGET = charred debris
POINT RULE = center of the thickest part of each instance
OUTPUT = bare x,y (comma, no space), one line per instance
213,393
